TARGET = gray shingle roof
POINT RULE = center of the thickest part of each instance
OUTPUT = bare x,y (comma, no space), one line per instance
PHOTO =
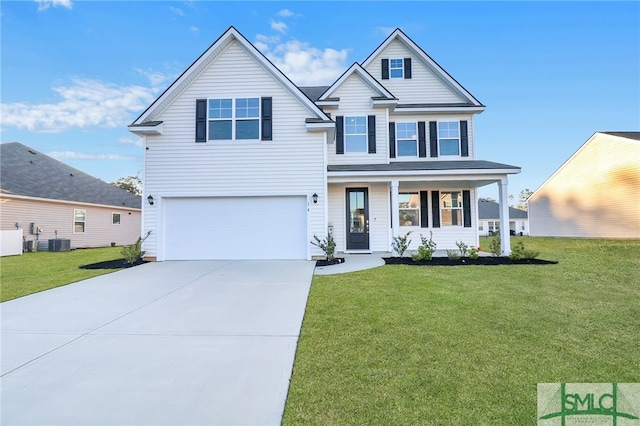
422,165
313,92
491,210
628,135
27,172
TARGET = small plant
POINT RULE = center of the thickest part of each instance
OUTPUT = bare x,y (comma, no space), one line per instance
134,253
401,243
474,253
495,246
425,249
453,255
328,246
464,248
519,252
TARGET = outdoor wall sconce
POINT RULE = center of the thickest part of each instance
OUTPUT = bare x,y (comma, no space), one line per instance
315,198
150,199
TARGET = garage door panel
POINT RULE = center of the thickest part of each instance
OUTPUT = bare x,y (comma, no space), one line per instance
235,228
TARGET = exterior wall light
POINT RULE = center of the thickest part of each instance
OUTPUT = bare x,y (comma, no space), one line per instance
150,199
315,198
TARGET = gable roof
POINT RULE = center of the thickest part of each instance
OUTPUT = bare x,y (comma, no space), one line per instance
627,135
367,78
491,210
29,173
203,61
427,61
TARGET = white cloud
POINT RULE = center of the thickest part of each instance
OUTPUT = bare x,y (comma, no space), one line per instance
285,13
386,31
306,65
194,29
84,103
73,155
46,4
156,78
176,11
130,140
280,27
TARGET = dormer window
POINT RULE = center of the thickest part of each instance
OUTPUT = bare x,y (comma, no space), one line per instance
396,68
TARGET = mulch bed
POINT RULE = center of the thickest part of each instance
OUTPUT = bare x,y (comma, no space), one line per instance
112,264
485,260
325,262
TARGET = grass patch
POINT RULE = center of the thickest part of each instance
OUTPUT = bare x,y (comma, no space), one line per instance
466,345
35,272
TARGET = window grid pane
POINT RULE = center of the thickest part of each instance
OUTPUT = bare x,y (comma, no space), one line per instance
355,130
409,209
247,129
220,108
451,208
396,68
407,139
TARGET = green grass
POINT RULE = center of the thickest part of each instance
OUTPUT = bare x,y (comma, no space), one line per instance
34,272
466,345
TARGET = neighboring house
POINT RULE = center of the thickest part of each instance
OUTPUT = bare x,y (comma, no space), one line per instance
242,163
43,196
489,219
594,193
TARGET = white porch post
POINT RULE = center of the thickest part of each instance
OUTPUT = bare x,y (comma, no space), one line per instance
505,239
395,202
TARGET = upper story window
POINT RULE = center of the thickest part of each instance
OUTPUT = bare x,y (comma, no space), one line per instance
449,137
396,68
79,221
234,119
355,134
451,208
407,139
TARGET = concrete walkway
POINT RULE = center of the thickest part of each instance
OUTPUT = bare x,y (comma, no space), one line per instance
170,343
353,262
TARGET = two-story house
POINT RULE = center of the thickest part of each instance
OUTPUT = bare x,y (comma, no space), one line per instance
240,163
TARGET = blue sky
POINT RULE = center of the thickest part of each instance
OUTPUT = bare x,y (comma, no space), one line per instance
74,74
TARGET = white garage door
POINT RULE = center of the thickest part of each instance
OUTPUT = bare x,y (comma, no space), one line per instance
235,228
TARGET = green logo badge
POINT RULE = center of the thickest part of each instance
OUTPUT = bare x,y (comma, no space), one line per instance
566,404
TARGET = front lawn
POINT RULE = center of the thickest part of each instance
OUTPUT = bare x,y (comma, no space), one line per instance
34,272
466,344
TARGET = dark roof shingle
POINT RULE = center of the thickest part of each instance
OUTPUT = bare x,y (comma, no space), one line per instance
491,210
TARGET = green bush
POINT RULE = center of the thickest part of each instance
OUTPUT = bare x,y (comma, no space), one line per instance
425,249
453,255
401,243
134,253
328,246
464,248
474,253
519,252
495,245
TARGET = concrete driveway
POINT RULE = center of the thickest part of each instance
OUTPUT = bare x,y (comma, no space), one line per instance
170,343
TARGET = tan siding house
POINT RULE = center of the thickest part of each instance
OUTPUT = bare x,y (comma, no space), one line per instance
594,194
50,200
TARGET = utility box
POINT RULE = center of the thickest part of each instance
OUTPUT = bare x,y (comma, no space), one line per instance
30,246
59,244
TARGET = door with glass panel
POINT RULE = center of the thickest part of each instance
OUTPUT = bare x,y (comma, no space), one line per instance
357,219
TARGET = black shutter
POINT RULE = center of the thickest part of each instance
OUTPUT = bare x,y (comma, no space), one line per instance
201,120
424,210
267,124
464,139
339,134
466,208
433,138
435,208
407,67
392,139
422,139
371,129
385,69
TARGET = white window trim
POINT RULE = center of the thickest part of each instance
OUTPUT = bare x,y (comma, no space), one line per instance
407,157
234,119
401,68
461,208
440,154
84,228
366,134
119,221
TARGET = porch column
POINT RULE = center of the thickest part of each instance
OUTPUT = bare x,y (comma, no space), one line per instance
395,202
505,239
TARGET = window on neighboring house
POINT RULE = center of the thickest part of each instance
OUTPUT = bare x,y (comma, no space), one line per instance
449,137
115,218
407,139
451,208
396,68
234,119
409,208
79,220
355,134
481,226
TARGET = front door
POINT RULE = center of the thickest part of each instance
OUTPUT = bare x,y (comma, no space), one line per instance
357,219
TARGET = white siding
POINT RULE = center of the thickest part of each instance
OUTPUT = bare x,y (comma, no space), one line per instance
594,194
355,100
423,87
53,216
291,164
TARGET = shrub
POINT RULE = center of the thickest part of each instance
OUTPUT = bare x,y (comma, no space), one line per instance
401,243
453,255
519,252
464,248
494,246
474,253
327,245
425,249
134,253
